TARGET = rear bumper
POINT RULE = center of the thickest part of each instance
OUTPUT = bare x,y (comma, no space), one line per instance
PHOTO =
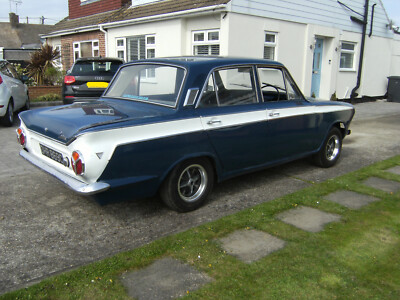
75,185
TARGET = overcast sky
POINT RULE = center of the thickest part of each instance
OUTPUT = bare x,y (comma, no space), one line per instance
56,10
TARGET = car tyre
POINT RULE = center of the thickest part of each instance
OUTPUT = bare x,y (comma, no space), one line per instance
331,149
8,118
188,185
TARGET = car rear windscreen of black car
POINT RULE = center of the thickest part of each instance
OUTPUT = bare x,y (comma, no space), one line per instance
95,67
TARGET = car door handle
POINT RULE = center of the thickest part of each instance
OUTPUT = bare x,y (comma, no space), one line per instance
212,122
274,114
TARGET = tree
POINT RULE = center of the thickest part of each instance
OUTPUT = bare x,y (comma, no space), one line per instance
41,64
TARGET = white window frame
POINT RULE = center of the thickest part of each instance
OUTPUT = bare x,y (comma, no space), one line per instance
78,48
206,41
120,48
58,61
271,44
347,51
150,46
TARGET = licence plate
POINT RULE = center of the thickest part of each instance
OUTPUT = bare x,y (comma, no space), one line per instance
54,155
97,85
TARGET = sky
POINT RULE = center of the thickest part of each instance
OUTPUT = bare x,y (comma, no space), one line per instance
56,10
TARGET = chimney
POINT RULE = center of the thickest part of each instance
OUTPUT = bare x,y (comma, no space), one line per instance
14,20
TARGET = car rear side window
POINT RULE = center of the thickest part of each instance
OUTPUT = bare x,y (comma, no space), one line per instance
229,87
95,67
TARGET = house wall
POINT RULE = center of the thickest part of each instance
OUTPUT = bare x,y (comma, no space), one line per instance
67,50
78,8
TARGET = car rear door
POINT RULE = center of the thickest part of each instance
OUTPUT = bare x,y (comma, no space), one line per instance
234,119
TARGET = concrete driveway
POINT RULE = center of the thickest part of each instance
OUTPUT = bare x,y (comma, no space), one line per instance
46,229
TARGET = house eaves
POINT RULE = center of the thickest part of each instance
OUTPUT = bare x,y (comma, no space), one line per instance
167,16
161,10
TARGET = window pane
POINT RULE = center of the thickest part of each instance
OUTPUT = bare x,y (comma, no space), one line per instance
269,52
86,49
136,47
95,53
121,54
95,44
214,49
151,53
348,46
213,36
198,37
235,86
151,40
201,50
270,38
346,60
272,84
209,98
132,84
120,43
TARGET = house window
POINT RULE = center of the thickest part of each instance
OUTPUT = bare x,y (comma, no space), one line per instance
206,42
121,48
140,47
347,56
58,62
86,49
270,46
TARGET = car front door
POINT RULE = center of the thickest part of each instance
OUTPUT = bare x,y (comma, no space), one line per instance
234,119
292,123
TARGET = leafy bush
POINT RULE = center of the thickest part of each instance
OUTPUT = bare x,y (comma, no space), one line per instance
47,97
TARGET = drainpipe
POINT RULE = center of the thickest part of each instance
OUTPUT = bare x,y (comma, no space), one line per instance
105,38
360,63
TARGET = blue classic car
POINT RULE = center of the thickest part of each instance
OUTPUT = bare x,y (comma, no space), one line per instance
177,125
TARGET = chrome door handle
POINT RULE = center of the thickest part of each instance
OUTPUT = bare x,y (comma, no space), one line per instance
274,114
211,122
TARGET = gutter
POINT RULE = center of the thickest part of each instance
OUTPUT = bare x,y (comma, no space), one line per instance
360,63
104,26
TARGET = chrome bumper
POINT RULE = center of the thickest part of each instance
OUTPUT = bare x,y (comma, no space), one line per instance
75,185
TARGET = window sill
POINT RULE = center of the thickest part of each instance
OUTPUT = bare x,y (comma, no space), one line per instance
88,2
348,70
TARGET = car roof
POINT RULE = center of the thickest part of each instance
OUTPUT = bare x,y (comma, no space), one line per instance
112,59
208,61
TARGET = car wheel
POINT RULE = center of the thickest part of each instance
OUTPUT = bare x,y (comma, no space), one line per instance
8,118
188,185
331,149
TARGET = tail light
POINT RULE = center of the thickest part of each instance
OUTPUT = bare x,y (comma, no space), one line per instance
21,137
69,79
77,163
1,80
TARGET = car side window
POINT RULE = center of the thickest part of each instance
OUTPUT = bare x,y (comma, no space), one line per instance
272,82
5,70
12,71
229,87
292,90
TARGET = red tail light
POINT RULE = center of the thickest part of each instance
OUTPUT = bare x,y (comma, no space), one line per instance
69,79
1,80
21,137
77,163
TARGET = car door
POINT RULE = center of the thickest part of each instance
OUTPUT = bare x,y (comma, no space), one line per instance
292,123
17,88
233,118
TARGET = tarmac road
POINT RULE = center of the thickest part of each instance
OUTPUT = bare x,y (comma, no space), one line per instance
45,228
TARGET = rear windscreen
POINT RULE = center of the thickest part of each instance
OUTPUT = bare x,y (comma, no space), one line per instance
95,68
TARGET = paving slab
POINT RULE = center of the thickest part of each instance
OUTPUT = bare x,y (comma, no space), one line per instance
307,218
251,245
350,199
385,185
394,170
166,278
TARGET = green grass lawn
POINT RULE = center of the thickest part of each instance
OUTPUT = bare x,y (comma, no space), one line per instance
356,258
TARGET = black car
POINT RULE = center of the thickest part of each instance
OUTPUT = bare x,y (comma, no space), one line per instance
88,78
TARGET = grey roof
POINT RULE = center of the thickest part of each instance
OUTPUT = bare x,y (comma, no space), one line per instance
131,13
22,35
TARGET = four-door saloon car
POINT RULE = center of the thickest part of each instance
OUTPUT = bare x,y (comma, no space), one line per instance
177,125
88,78
13,93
